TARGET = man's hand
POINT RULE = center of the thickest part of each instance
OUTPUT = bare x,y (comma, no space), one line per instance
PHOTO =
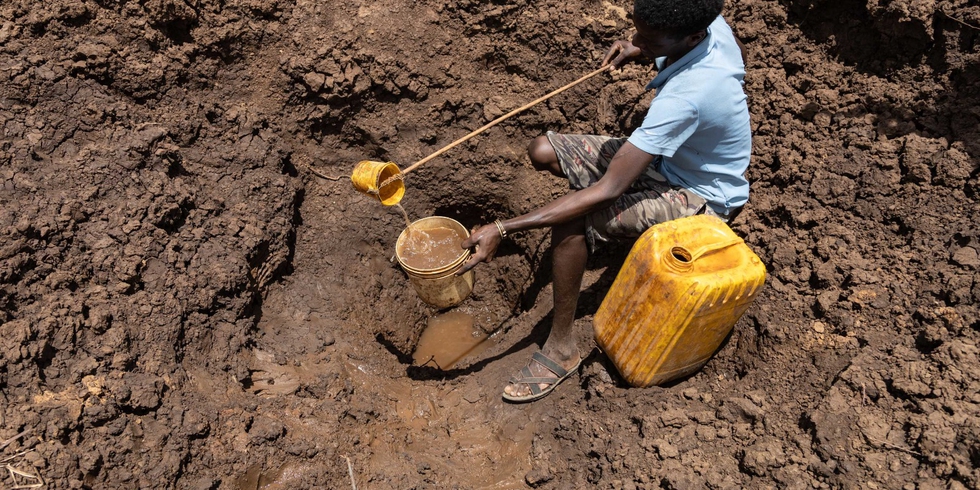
620,53
486,239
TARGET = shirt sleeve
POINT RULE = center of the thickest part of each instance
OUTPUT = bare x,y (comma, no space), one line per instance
669,122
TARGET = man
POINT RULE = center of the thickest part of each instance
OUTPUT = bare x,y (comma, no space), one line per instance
688,157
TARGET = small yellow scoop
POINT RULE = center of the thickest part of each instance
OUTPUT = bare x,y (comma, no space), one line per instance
385,180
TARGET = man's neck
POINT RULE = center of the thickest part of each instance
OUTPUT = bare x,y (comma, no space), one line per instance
670,61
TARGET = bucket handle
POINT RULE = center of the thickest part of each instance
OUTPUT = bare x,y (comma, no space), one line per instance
683,259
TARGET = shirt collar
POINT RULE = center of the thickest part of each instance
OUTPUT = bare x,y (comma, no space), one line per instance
688,59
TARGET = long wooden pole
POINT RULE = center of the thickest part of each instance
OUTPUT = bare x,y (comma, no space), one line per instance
506,116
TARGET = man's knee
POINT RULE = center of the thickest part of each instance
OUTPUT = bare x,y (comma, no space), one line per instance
542,154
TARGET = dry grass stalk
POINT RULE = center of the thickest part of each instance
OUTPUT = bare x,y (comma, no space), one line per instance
350,471
23,479
12,439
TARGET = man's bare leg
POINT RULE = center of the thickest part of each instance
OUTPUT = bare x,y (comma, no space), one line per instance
569,256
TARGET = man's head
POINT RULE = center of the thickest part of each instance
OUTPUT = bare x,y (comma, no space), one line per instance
671,28
677,18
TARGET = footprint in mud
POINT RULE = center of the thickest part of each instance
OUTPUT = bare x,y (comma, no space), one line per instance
268,378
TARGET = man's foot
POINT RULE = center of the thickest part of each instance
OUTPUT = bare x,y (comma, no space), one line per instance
538,378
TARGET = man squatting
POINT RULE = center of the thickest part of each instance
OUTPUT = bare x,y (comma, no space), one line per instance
688,157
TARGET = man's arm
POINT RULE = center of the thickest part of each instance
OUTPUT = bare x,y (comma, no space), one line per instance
625,167
628,163
741,49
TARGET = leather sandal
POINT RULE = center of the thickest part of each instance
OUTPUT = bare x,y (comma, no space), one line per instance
524,377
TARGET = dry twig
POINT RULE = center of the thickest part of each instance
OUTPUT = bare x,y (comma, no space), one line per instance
954,19
22,479
893,446
15,456
322,176
12,439
350,471
432,359
14,473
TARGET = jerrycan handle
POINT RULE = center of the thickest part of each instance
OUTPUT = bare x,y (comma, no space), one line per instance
682,260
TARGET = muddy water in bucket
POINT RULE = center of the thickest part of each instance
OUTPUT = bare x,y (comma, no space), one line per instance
432,248
429,251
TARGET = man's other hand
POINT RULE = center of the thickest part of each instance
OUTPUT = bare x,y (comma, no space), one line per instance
486,239
620,53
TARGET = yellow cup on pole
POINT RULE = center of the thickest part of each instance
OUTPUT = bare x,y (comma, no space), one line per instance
382,180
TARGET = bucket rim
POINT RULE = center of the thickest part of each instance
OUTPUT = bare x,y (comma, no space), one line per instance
441,271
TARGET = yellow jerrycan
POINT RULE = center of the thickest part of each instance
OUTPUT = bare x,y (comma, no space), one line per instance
682,288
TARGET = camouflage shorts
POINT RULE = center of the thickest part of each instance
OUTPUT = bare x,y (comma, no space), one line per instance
650,200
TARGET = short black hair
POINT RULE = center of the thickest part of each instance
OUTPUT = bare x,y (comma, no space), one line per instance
678,18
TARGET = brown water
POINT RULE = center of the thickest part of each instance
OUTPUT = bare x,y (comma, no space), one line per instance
418,239
447,339
408,222
430,249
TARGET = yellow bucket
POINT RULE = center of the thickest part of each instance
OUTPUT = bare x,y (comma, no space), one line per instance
439,286
678,295
370,177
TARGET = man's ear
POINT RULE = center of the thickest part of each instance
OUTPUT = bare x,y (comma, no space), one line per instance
696,38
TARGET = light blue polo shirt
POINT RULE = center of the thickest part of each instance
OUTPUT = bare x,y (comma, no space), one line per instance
699,121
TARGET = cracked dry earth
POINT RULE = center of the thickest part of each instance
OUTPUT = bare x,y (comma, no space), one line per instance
185,303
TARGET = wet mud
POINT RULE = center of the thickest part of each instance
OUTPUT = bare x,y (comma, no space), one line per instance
193,296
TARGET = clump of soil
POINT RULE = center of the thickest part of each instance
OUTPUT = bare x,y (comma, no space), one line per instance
186,303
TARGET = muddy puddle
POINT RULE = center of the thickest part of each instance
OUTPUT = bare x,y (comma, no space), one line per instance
448,339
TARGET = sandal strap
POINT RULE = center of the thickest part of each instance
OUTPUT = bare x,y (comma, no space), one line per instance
537,381
548,363
522,376
527,378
